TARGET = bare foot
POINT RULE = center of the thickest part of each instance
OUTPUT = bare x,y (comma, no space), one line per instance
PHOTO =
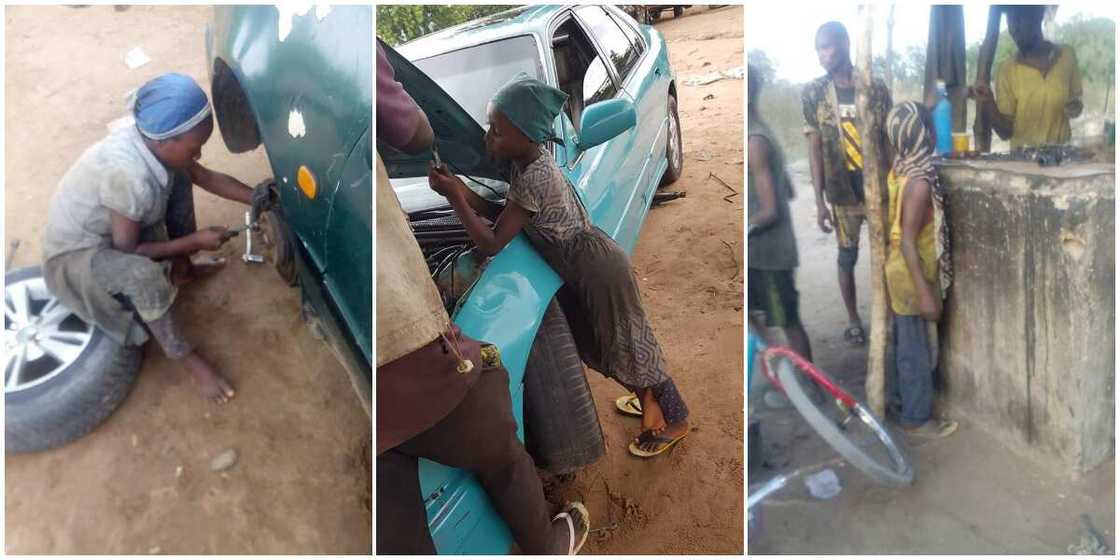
213,386
650,443
652,418
185,270
675,430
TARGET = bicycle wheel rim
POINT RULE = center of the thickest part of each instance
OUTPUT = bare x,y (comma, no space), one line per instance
896,471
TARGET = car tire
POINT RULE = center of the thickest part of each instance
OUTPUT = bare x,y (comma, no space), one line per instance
562,430
280,244
674,146
75,399
677,11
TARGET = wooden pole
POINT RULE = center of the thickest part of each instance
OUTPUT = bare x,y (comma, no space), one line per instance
981,126
874,186
945,60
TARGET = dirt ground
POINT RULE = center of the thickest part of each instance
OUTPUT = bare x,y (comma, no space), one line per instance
689,264
302,482
971,495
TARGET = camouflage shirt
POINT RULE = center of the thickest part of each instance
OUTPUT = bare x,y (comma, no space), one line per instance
843,160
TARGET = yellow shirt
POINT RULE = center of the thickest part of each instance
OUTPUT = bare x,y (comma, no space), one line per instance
1035,103
900,286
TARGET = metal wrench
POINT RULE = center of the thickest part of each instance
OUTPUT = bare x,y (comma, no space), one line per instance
232,232
248,228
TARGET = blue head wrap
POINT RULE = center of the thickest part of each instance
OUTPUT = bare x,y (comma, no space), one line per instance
169,105
531,105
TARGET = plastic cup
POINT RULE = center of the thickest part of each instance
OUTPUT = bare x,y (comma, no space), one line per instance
960,142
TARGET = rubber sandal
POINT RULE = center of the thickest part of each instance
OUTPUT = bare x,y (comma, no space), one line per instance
629,405
934,429
665,444
574,546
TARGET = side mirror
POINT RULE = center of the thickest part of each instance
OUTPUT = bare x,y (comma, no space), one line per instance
605,120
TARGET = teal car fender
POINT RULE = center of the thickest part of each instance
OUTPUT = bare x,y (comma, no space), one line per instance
299,81
506,304
504,308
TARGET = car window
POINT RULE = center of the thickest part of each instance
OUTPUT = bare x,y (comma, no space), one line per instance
635,40
611,38
580,71
472,76
597,84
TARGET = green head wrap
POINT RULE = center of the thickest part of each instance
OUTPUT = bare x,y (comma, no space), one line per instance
531,105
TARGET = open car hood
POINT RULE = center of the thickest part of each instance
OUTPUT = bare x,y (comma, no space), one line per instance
458,137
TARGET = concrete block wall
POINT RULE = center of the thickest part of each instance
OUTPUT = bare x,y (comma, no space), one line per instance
1027,346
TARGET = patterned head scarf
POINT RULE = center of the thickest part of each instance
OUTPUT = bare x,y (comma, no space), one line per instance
912,140
531,105
169,105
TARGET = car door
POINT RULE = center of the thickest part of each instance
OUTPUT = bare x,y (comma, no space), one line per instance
348,274
650,83
635,74
595,172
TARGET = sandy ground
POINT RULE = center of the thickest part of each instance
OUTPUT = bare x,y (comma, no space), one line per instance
689,264
302,483
971,495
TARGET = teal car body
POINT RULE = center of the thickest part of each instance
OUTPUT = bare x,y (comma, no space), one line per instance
300,83
451,74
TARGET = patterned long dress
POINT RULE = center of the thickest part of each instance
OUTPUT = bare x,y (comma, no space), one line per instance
600,297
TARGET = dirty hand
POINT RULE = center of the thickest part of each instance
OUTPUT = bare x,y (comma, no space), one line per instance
824,218
980,92
1073,108
211,238
929,306
443,181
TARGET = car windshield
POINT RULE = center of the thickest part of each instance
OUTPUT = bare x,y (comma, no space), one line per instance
472,75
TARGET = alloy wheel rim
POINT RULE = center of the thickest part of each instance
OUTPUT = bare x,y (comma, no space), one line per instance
41,337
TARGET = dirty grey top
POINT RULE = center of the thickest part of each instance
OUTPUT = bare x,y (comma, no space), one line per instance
119,173
543,190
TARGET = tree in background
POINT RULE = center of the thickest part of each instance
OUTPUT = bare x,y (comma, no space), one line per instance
1094,39
908,70
400,24
762,64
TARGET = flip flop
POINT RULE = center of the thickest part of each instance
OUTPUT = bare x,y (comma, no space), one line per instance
664,444
629,405
575,543
934,429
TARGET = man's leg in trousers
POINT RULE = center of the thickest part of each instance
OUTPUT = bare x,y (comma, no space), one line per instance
402,524
480,435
